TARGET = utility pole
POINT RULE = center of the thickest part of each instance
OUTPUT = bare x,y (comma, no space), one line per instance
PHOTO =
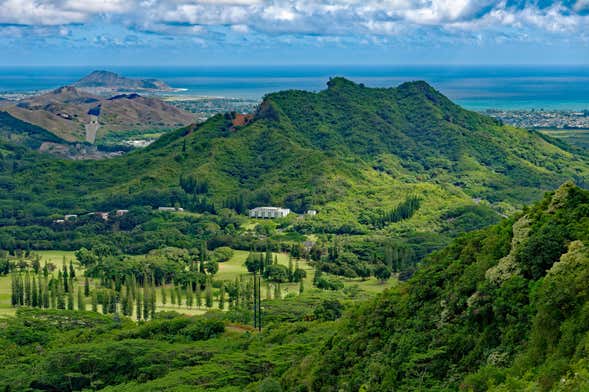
257,302
260,303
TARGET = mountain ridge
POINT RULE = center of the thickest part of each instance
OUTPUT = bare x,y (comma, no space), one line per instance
107,80
351,152
66,112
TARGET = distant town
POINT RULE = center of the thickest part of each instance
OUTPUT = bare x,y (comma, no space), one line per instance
206,107
542,118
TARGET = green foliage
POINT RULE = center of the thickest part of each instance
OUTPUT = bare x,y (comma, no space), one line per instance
455,325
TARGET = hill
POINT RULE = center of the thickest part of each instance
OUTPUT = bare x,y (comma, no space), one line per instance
76,115
497,310
15,131
399,163
110,81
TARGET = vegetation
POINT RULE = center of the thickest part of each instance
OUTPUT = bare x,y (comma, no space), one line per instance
395,175
499,309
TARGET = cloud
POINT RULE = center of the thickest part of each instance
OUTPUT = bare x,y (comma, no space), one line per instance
319,18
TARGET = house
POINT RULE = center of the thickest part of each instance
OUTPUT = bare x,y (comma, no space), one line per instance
121,212
311,212
171,209
269,212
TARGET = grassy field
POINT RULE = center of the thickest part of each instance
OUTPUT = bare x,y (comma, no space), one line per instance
51,256
575,137
228,271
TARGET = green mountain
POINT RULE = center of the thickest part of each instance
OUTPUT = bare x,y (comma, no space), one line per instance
503,309
398,163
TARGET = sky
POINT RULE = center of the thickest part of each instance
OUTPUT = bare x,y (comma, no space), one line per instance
287,32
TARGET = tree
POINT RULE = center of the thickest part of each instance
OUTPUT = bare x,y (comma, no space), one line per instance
163,295
34,294
198,295
81,303
45,294
94,302
173,294
189,295
328,310
146,302
28,291
290,269
138,305
36,264
60,293
72,270
211,267
64,276
222,296
382,273
208,294
222,254
70,299
276,273
298,275
203,256
86,287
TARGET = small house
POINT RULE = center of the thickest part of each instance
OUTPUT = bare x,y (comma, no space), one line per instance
269,212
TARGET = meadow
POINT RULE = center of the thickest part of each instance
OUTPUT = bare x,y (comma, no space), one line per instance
228,271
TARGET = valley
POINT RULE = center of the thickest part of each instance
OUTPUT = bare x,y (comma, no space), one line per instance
426,216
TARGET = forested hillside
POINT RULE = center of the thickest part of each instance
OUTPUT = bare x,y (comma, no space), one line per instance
502,309
348,150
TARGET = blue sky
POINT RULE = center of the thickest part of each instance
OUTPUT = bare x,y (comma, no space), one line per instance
234,32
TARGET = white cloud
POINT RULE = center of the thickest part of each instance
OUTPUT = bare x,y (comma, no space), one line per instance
474,18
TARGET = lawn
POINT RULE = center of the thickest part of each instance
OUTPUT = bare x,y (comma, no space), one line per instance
51,256
228,271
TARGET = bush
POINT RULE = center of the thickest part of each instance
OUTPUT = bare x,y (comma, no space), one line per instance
329,284
222,254
276,273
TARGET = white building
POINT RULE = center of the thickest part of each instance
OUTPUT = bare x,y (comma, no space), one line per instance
121,212
171,209
269,212
312,212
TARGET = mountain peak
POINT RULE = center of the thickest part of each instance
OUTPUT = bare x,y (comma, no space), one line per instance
109,80
341,82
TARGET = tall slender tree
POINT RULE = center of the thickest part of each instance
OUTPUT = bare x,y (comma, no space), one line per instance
139,305
198,295
34,293
208,294
28,291
163,295
81,301
189,295
222,296
72,270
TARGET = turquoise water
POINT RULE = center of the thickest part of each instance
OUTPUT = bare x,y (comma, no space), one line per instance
473,87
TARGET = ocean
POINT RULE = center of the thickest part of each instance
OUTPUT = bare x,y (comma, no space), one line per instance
474,87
